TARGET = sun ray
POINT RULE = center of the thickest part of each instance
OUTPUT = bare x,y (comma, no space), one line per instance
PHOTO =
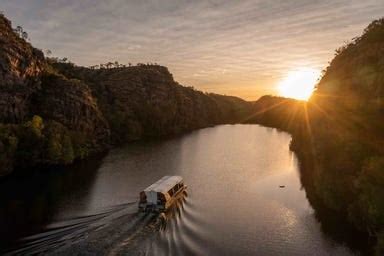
299,84
263,110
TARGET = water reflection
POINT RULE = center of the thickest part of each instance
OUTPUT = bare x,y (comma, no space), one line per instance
235,203
32,199
334,226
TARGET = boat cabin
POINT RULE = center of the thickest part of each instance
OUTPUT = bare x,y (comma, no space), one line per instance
161,194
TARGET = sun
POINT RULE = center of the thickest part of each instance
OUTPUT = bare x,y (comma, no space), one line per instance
299,83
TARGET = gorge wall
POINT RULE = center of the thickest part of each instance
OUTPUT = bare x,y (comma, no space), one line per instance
53,112
145,101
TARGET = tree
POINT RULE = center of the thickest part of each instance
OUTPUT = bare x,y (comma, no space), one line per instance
67,150
21,33
19,30
109,64
36,125
31,141
54,147
24,35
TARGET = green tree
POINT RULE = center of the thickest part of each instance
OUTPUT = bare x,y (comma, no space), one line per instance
36,125
54,148
67,150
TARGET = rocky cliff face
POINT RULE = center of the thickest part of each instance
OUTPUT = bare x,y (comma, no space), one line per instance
70,102
145,101
20,68
45,118
53,112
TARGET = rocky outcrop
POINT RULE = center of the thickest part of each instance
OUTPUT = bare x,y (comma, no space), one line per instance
70,102
20,68
45,118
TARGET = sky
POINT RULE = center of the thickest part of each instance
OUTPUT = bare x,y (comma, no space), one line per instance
242,48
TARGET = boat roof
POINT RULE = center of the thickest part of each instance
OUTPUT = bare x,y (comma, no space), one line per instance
164,184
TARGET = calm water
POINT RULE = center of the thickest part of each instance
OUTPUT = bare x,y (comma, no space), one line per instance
234,206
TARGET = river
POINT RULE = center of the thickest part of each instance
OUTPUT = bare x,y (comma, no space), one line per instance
244,197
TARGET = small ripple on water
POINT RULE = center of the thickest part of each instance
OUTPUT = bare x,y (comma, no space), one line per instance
183,232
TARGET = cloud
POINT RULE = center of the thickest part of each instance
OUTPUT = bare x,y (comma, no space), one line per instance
243,47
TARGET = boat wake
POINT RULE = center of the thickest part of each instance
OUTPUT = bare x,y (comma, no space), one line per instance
179,231
67,232
116,230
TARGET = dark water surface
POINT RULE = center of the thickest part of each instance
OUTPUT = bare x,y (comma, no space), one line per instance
234,206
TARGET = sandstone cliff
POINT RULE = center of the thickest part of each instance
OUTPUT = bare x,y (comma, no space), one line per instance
45,118
53,112
145,101
20,68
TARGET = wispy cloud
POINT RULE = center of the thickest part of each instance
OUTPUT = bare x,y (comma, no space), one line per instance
233,47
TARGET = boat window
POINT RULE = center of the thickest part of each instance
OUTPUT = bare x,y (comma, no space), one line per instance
175,189
143,196
161,197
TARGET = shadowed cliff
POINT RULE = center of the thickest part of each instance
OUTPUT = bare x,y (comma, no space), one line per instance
338,134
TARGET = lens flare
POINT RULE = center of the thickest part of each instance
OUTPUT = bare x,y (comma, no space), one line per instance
299,84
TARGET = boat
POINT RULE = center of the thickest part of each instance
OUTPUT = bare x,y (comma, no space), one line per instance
162,194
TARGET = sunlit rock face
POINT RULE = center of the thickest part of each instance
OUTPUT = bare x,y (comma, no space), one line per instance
20,68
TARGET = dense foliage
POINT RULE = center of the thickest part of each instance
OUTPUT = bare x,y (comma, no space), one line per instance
37,142
339,132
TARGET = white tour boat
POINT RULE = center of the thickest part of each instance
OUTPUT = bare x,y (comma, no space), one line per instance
161,194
